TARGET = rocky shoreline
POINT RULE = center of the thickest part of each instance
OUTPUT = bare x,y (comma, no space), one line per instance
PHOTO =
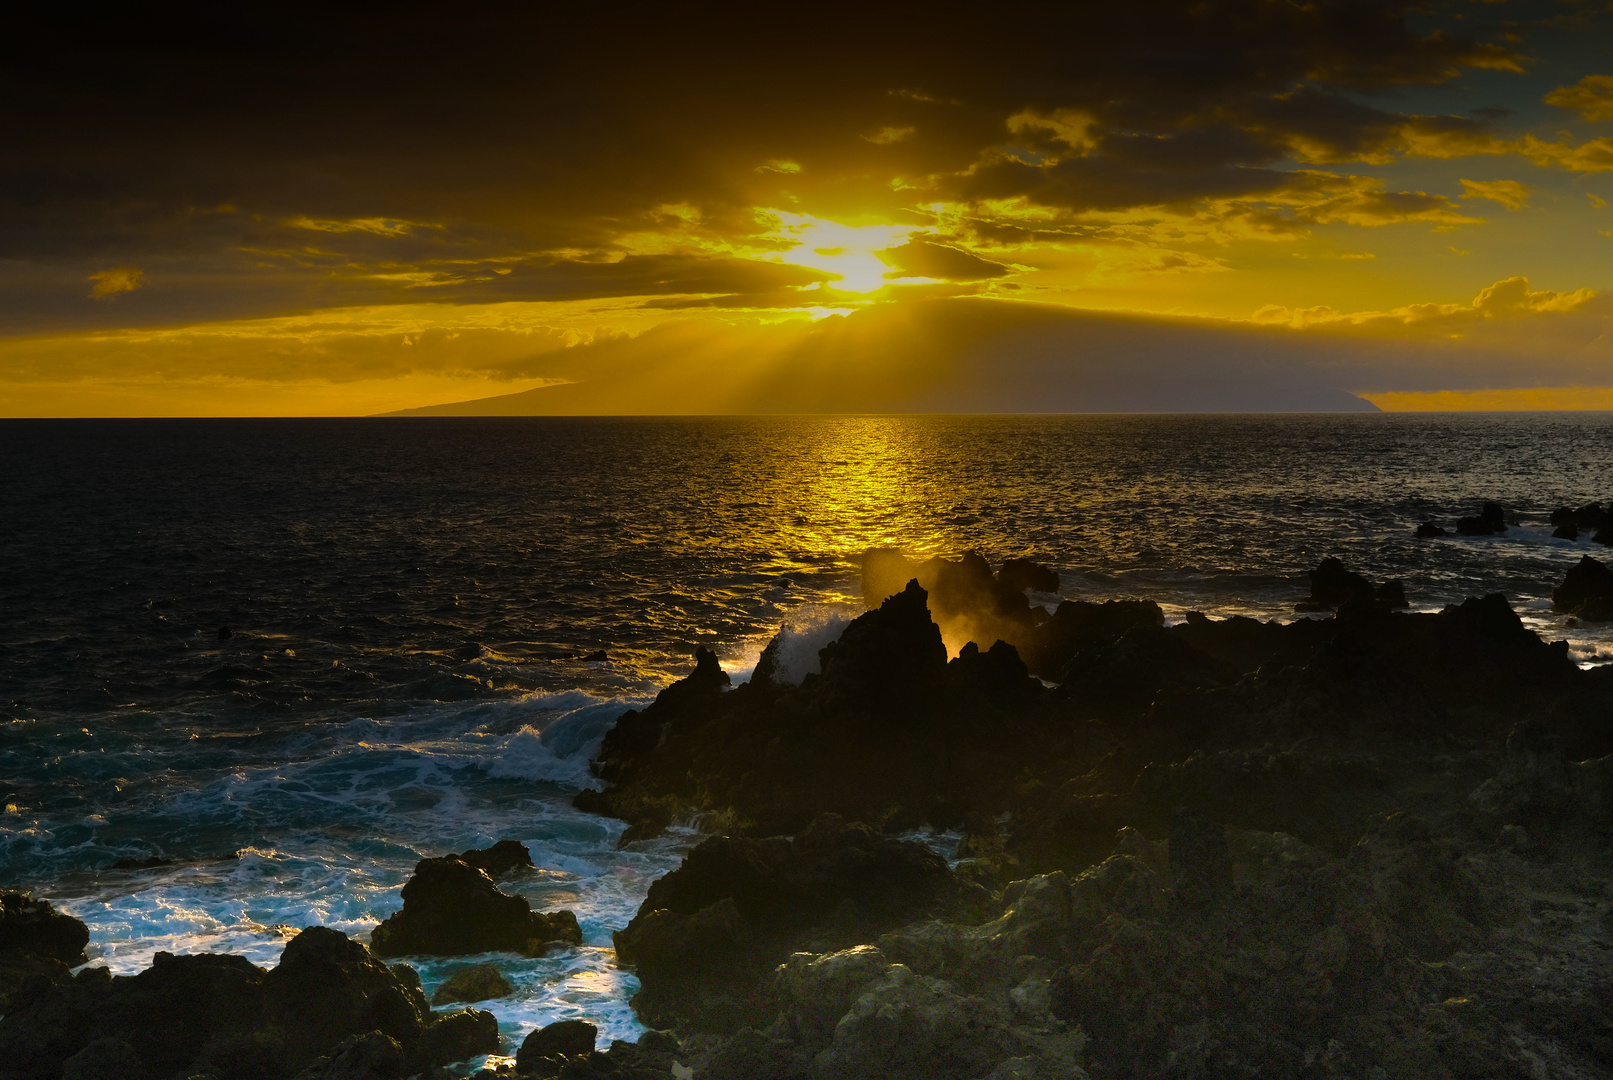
1371,844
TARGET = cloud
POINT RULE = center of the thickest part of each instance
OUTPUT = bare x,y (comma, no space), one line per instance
1509,193
889,134
1595,155
1509,299
1591,97
920,257
122,279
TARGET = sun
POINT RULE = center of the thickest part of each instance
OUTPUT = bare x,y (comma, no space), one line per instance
846,250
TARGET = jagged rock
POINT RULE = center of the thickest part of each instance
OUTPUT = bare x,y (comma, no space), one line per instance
1023,574
498,860
33,926
709,934
1490,521
457,1036
328,988
1428,531
1566,524
371,1056
1586,591
451,909
1078,625
564,1038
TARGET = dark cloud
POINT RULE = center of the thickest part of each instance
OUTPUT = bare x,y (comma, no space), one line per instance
924,258
182,140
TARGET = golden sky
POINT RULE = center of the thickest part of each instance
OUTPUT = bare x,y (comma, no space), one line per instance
1262,204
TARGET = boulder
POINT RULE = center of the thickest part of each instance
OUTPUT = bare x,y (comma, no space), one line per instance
498,860
1428,531
328,988
452,909
33,926
1490,521
476,982
566,1038
1079,625
457,1036
1586,591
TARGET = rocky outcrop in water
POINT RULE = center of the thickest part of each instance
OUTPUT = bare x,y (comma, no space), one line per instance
1489,521
328,1009
500,859
1332,586
38,945
1586,591
1369,844
451,908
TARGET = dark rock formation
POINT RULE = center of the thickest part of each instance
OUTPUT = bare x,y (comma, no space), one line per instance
1490,521
476,982
371,1056
1333,586
457,1036
451,909
33,926
967,600
1078,625
498,860
709,934
567,1038
1022,574
329,1009
1428,531
1586,591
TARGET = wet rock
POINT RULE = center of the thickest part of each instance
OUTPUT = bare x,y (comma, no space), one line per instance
566,1038
1565,532
371,1056
328,988
1428,531
478,982
1586,591
452,909
498,860
1490,521
33,926
458,1036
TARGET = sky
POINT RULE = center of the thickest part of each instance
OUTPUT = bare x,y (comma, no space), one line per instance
654,208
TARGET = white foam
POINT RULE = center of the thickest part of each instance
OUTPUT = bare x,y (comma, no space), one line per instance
806,631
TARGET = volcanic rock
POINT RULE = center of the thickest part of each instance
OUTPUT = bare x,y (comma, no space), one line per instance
451,908
371,1056
477,982
33,926
568,1038
1490,521
1428,531
1079,625
1586,591
709,934
328,988
1332,586
457,1036
498,860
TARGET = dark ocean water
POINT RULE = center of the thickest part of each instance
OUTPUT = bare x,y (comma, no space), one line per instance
408,601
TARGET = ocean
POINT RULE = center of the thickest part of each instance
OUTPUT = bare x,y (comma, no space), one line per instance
253,670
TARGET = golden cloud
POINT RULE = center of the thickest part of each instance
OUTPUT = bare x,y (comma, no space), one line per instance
1509,193
121,279
1591,97
1510,298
